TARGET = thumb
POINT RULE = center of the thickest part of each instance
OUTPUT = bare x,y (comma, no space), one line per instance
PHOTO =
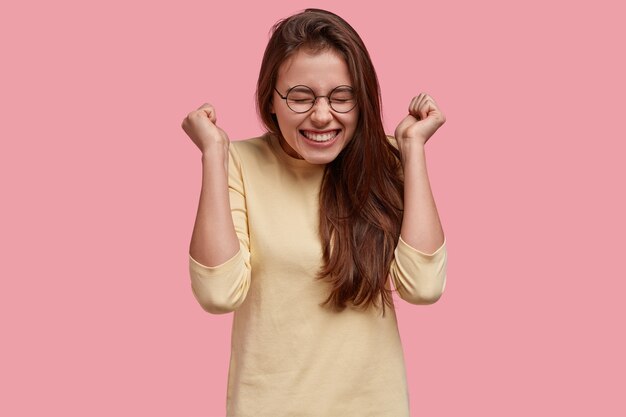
404,124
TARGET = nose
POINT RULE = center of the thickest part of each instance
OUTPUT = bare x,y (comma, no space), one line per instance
321,114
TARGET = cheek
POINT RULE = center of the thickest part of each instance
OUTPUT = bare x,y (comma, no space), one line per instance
354,122
289,120
288,125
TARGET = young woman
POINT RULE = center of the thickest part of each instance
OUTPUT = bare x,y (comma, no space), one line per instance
301,231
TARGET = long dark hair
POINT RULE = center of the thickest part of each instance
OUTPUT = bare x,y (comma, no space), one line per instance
361,190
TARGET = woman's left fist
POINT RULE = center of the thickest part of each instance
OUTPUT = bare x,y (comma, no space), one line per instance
423,120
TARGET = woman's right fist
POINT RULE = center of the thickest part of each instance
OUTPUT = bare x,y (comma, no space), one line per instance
200,126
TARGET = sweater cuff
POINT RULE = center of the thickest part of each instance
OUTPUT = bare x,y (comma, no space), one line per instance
405,247
225,267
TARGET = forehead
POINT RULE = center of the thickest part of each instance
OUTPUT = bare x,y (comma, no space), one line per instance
320,70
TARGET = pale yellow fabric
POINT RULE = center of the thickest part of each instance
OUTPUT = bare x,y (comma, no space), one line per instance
290,356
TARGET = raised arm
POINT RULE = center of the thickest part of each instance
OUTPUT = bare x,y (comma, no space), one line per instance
419,266
421,227
219,259
214,240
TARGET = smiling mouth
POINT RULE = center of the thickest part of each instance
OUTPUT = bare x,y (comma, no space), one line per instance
320,137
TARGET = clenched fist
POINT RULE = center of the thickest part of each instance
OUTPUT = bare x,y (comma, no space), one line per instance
422,122
200,125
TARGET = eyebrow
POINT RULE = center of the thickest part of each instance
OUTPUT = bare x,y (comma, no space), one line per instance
302,87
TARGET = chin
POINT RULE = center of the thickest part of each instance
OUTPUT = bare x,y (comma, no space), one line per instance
319,159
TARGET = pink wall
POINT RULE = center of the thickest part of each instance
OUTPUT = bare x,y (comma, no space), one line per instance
100,188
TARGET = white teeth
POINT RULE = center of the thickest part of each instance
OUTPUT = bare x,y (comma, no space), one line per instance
320,137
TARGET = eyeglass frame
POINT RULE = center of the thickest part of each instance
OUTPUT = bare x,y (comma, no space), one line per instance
315,97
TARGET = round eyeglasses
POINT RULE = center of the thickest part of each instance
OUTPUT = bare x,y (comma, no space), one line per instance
301,98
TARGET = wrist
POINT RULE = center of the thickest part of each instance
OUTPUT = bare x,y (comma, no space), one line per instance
215,161
410,150
214,152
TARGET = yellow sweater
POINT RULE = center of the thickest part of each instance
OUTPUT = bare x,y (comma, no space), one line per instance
290,356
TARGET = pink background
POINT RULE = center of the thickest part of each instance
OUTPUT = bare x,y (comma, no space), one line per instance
100,187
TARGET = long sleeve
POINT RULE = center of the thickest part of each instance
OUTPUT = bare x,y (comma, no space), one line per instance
222,288
419,278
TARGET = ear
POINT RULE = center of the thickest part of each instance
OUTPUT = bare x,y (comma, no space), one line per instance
272,107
